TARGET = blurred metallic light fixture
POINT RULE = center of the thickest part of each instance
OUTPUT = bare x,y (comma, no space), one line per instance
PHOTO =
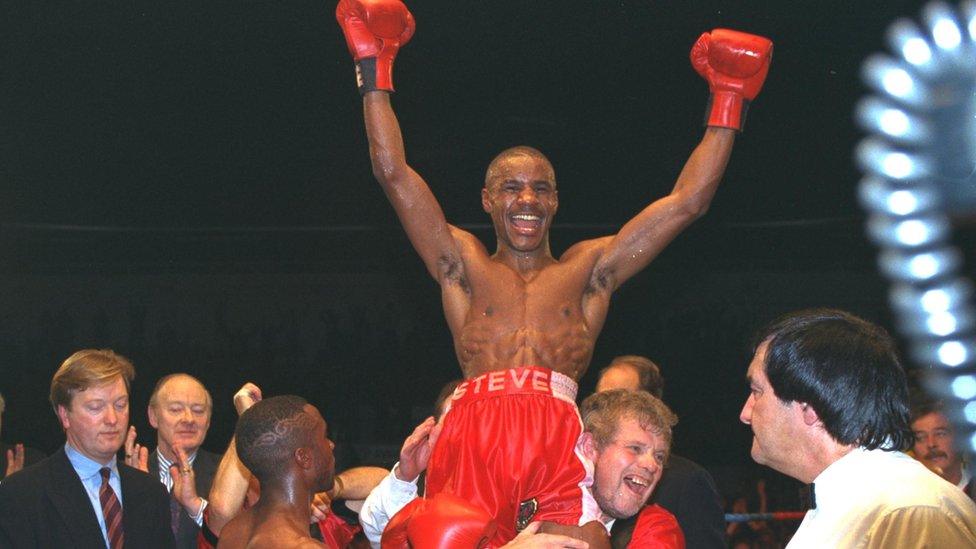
918,164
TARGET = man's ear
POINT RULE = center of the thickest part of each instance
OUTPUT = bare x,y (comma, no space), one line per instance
810,416
303,457
153,420
63,416
588,446
485,200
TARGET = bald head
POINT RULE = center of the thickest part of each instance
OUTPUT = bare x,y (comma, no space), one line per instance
177,379
632,372
521,151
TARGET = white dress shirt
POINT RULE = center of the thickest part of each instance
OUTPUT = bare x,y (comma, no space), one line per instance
91,478
875,499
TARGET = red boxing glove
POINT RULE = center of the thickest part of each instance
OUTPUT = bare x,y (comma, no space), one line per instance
735,65
658,528
395,533
449,522
374,31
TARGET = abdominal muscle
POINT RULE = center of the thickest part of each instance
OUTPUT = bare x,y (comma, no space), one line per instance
485,345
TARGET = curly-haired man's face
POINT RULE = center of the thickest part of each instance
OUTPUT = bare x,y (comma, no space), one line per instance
627,469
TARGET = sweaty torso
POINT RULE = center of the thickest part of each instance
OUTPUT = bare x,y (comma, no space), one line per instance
265,529
502,318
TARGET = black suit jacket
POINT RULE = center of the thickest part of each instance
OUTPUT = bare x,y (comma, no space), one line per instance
45,506
688,491
204,470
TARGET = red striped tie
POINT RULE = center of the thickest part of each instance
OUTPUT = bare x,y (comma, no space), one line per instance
111,510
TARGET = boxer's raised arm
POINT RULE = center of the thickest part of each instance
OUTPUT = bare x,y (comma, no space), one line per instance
229,487
415,205
374,31
735,65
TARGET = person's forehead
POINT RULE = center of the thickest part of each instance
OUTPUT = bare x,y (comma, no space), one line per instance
524,165
931,420
629,429
113,389
622,369
757,366
183,387
619,377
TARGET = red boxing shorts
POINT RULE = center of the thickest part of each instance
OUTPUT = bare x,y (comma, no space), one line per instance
509,445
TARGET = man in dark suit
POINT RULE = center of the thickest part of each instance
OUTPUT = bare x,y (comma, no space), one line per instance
685,488
81,496
179,409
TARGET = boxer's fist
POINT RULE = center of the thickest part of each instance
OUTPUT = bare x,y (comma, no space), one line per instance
374,31
395,533
245,397
447,522
735,65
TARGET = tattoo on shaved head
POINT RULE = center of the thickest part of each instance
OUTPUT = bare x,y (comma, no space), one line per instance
270,431
283,429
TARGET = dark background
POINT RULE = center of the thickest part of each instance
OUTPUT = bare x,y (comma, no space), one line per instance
188,183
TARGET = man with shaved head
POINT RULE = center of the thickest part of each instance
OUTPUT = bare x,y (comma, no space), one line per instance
282,441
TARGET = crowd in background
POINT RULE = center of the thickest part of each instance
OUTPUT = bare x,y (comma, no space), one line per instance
199,492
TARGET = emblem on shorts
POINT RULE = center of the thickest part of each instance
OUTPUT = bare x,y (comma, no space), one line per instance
526,511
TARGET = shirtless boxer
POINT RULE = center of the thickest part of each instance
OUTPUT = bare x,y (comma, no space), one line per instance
282,441
525,323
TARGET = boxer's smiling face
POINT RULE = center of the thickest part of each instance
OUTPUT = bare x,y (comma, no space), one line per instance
627,469
522,200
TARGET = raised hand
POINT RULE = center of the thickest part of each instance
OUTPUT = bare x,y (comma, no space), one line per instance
416,451
15,459
374,31
246,396
321,507
184,483
136,455
735,65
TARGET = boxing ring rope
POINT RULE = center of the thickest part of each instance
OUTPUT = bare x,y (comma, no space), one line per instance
775,515
918,164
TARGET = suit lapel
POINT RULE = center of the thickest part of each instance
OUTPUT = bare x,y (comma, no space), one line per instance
69,498
133,501
153,465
